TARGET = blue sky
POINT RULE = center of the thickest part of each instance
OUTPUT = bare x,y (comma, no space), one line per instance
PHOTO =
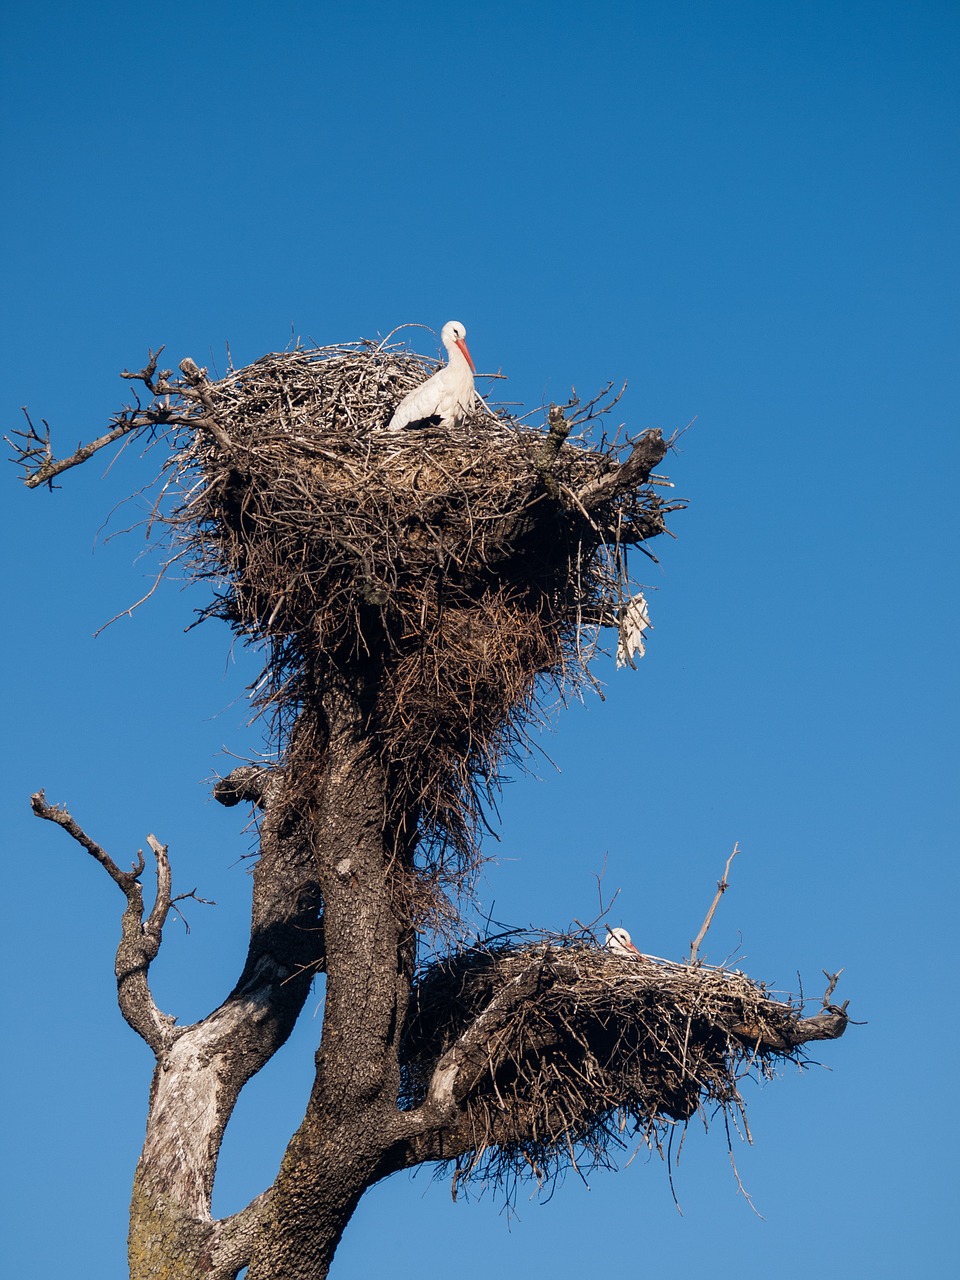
750,212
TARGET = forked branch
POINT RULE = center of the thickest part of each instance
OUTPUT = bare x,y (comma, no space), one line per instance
34,452
180,402
139,940
828,1025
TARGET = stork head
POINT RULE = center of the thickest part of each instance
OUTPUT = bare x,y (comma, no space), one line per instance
453,334
621,944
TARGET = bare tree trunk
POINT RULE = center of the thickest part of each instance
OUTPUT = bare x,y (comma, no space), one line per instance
337,854
201,1069
369,964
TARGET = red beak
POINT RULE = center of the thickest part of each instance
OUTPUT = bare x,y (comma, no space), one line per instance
466,354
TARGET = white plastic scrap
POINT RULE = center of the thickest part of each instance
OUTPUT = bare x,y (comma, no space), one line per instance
634,621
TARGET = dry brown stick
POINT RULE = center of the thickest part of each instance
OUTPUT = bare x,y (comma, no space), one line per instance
197,378
59,815
146,374
35,454
50,467
128,612
722,886
595,406
832,980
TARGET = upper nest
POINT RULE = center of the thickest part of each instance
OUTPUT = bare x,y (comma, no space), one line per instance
580,1046
441,572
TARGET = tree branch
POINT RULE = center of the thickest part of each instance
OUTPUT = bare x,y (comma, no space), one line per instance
832,980
248,783
649,450
196,379
450,1083
145,375
205,1066
161,907
828,1025
234,1238
139,942
59,815
35,451
722,886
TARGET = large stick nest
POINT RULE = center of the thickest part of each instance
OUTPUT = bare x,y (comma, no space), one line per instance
565,1052
445,574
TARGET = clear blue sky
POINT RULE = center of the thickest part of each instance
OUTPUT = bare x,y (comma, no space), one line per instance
748,210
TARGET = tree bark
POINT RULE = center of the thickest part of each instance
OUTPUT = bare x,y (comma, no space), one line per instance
352,1119
201,1070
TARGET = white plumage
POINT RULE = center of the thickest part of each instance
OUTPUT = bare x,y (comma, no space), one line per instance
634,621
621,944
446,398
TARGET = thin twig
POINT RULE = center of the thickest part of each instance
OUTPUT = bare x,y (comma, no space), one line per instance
722,886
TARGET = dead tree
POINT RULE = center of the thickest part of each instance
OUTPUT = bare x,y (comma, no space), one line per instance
412,595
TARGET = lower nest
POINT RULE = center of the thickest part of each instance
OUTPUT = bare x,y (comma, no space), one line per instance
580,1046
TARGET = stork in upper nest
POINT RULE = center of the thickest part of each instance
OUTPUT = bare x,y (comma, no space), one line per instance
620,944
445,399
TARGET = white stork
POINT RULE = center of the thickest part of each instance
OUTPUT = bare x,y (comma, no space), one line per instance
621,944
446,398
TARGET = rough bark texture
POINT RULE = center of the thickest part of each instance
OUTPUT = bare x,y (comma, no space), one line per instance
201,1070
